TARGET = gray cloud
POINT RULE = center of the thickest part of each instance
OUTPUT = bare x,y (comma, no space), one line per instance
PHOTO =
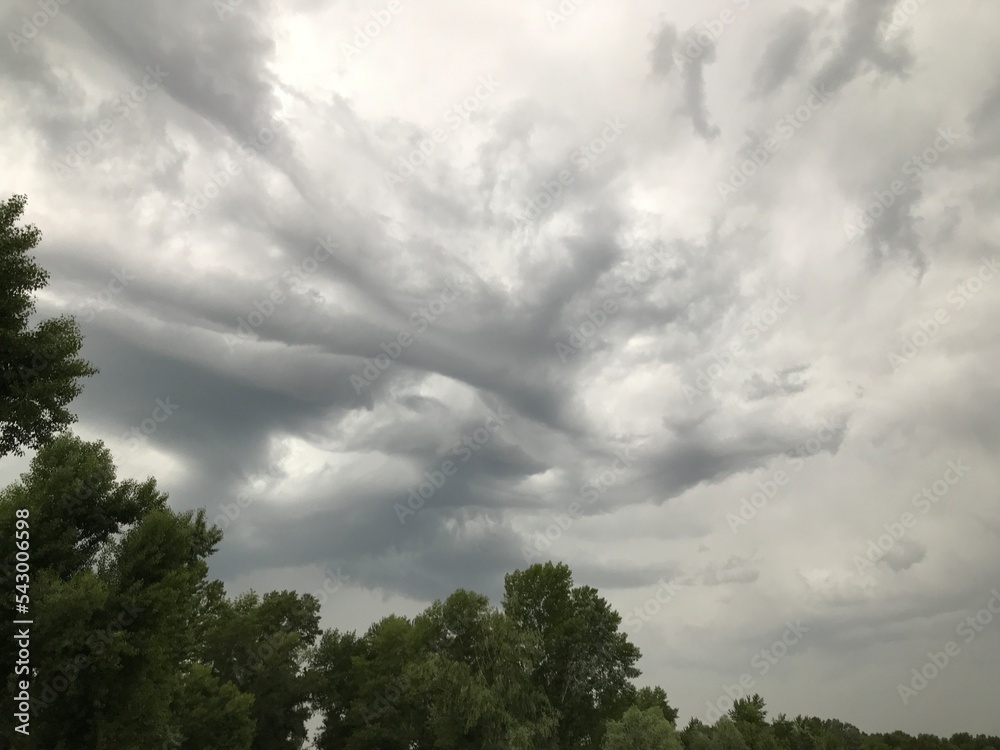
629,328
693,72
782,56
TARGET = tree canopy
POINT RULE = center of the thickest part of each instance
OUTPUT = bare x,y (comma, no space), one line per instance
40,369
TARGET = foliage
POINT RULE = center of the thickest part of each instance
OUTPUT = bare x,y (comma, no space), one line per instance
39,366
641,729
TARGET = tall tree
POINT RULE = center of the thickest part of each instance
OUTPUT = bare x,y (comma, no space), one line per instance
587,664
40,368
260,644
115,590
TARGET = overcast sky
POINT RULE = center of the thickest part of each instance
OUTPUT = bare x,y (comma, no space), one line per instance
599,270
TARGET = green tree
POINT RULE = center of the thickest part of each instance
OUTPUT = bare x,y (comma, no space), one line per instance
641,729
261,645
40,368
364,688
477,680
458,676
587,664
727,736
650,697
115,592
750,710
210,713
336,687
750,717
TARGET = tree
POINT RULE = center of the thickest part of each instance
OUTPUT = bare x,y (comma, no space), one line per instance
697,736
750,718
260,644
363,688
211,713
750,710
39,367
641,729
490,702
656,697
458,676
727,736
586,665
115,591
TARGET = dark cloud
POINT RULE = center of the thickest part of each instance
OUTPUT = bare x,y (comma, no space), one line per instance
663,52
693,73
627,326
782,57
861,44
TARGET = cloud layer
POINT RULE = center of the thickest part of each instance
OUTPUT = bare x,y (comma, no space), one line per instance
700,302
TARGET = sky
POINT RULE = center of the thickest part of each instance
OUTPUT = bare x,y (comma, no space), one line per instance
698,298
